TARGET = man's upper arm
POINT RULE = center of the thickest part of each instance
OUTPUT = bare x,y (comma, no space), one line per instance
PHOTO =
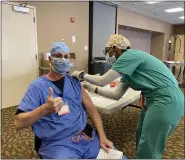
86,100
30,100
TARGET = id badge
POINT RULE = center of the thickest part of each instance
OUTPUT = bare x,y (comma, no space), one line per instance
65,109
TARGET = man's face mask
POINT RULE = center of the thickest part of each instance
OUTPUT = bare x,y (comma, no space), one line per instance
61,65
109,59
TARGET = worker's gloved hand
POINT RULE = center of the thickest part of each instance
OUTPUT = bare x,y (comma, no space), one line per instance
84,83
78,74
90,87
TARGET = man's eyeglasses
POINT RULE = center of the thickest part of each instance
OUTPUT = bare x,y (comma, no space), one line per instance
65,56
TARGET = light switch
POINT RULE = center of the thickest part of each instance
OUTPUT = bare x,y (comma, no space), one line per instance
73,39
85,48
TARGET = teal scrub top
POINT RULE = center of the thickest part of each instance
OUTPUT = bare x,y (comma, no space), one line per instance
142,71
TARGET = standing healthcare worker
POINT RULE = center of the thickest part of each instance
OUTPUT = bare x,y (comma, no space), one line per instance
163,99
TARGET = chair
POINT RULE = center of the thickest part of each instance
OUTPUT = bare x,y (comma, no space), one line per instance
37,145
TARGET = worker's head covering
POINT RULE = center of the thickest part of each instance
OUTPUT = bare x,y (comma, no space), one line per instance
59,47
119,41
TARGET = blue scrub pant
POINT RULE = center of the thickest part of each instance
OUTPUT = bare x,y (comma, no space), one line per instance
66,148
83,149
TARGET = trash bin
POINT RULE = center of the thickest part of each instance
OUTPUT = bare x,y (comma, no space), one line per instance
100,65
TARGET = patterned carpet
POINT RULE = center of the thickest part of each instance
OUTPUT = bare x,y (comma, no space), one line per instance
120,128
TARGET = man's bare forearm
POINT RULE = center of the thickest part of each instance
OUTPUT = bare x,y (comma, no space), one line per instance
96,119
93,113
27,119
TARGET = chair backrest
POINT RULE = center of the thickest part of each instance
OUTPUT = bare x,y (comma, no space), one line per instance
37,144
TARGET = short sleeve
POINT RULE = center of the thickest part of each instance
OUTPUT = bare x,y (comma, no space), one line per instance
127,63
30,100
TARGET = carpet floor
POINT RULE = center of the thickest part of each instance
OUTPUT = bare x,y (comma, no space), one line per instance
120,129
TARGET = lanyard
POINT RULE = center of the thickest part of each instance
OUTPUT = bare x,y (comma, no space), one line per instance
84,137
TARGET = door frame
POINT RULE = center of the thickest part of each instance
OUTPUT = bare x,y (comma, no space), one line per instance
35,29
91,14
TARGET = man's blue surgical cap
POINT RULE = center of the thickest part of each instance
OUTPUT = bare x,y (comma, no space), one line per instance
59,47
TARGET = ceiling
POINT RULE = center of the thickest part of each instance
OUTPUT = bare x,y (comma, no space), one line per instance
156,10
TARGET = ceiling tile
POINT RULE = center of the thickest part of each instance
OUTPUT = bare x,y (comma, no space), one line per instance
179,3
168,3
158,9
145,7
167,7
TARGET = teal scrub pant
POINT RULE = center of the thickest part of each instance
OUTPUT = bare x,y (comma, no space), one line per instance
155,125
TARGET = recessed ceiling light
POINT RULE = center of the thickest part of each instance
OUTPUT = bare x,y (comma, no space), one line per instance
181,17
151,2
174,10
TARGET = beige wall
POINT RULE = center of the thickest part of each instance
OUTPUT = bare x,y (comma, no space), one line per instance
160,46
159,41
179,29
172,49
53,24
132,19
166,50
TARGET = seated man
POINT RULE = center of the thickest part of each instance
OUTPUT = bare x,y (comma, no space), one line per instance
63,134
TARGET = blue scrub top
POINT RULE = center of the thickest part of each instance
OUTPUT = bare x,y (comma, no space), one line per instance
52,126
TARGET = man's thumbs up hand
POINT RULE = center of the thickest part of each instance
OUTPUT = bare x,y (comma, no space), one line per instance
50,93
53,105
